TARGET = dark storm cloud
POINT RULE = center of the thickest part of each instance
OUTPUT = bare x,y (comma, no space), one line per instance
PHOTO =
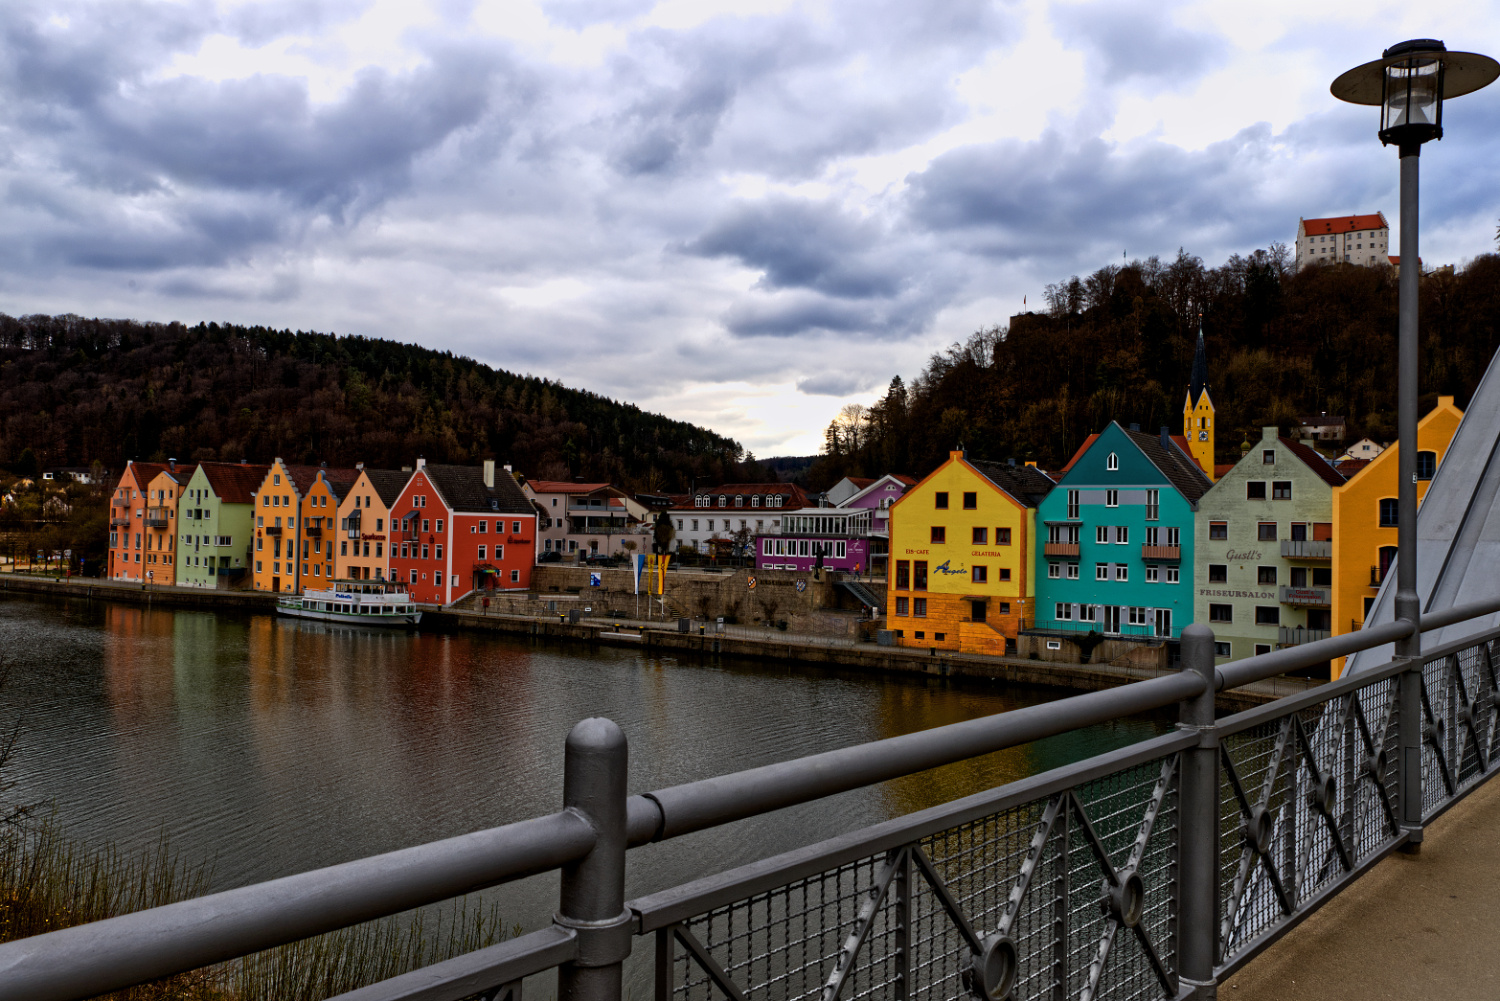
1138,40
835,384
803,244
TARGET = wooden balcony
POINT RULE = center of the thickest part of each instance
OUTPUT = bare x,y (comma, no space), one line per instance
1161,552
1060,549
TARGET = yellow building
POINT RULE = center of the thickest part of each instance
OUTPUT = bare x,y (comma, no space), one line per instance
363,531
962,556
1198,411
296,509
162,494
1364,517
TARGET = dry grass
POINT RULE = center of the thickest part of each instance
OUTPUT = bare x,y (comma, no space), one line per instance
49,882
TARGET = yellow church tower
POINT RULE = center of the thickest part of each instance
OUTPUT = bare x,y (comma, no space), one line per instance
1198,411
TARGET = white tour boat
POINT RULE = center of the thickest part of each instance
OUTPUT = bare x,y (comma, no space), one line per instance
356,602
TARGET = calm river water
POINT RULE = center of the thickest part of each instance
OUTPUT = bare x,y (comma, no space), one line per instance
270,746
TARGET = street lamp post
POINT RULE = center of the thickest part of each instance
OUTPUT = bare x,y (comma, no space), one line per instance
1409,83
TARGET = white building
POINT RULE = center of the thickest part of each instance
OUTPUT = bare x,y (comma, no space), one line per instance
1354,239
1362,449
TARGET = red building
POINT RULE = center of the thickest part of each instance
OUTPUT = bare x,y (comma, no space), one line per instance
456,529
127,520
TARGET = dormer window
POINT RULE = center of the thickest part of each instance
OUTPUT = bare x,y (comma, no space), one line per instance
723,500
1113,462
739,500
755,500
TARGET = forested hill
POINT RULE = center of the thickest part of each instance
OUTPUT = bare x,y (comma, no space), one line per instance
76,390
1118,345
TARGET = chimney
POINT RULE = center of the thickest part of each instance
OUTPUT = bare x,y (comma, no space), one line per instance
244,462
172,465
359,465
421,463
489,473
1166,437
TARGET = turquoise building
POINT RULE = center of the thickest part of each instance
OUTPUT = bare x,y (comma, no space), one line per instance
1118,555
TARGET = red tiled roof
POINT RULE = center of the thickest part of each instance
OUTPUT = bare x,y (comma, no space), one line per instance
563,487
1221,468
908,480
234,483
795,496
860,481
1314,460
340,480
1342,224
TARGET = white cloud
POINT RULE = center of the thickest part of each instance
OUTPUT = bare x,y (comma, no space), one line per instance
740,213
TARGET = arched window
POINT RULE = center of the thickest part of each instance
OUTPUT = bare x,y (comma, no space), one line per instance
1113,462
1389,511
1426,465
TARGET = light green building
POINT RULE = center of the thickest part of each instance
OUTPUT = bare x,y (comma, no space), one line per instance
215,524
1263,574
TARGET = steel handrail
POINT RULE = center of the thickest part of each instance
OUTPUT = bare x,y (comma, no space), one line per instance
120,952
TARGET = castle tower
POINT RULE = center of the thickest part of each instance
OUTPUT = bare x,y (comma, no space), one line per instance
1198,411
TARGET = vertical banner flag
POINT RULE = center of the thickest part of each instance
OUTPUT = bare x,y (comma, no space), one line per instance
661,573
637,564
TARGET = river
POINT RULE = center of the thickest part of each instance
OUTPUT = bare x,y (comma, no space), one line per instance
271,746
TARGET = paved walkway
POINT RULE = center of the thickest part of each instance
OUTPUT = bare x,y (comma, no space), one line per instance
1416,926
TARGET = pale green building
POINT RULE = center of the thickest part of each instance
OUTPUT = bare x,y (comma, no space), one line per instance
215,524
1263,574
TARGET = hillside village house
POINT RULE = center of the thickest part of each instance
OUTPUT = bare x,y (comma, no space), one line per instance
461,528
364,516
216,524
588,518
1262,577
1365,517
1322,427
962,543
1362,449
162,494
1355,239
1120,537
127,521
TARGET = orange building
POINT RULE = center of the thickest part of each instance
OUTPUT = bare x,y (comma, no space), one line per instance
296,510
159,558
1364,517
127,521
364,526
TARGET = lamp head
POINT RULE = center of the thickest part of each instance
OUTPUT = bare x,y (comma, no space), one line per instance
1410,82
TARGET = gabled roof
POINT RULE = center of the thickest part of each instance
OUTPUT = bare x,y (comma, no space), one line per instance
387,483
1313,459
463,489
869,485
181,474
1087,444
1173,462
1027,484
563,487
234,483
1343,224
143,472
339,480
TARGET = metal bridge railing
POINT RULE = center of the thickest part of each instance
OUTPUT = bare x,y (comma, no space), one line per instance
1149,872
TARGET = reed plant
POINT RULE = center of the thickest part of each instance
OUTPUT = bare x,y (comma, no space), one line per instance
49,881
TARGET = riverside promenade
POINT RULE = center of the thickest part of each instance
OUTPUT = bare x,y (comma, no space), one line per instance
662,639
1415,926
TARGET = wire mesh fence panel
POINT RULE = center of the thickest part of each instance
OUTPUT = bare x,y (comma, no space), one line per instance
1459,725
1071,895
1305,798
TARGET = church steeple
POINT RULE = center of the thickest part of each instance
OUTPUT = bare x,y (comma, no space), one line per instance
1198,411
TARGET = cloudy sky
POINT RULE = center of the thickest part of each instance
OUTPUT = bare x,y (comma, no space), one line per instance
744,213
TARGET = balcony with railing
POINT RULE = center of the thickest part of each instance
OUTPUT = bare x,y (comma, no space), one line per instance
1060,549
156,517
313,530
1161,552
119,522
1306,549
1305,597
1297,635
1377,574
272,529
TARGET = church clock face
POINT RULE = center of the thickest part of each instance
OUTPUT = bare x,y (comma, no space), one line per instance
1203,436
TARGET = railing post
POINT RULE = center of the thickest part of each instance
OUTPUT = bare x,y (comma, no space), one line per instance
1409,733
1198,830
592,897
